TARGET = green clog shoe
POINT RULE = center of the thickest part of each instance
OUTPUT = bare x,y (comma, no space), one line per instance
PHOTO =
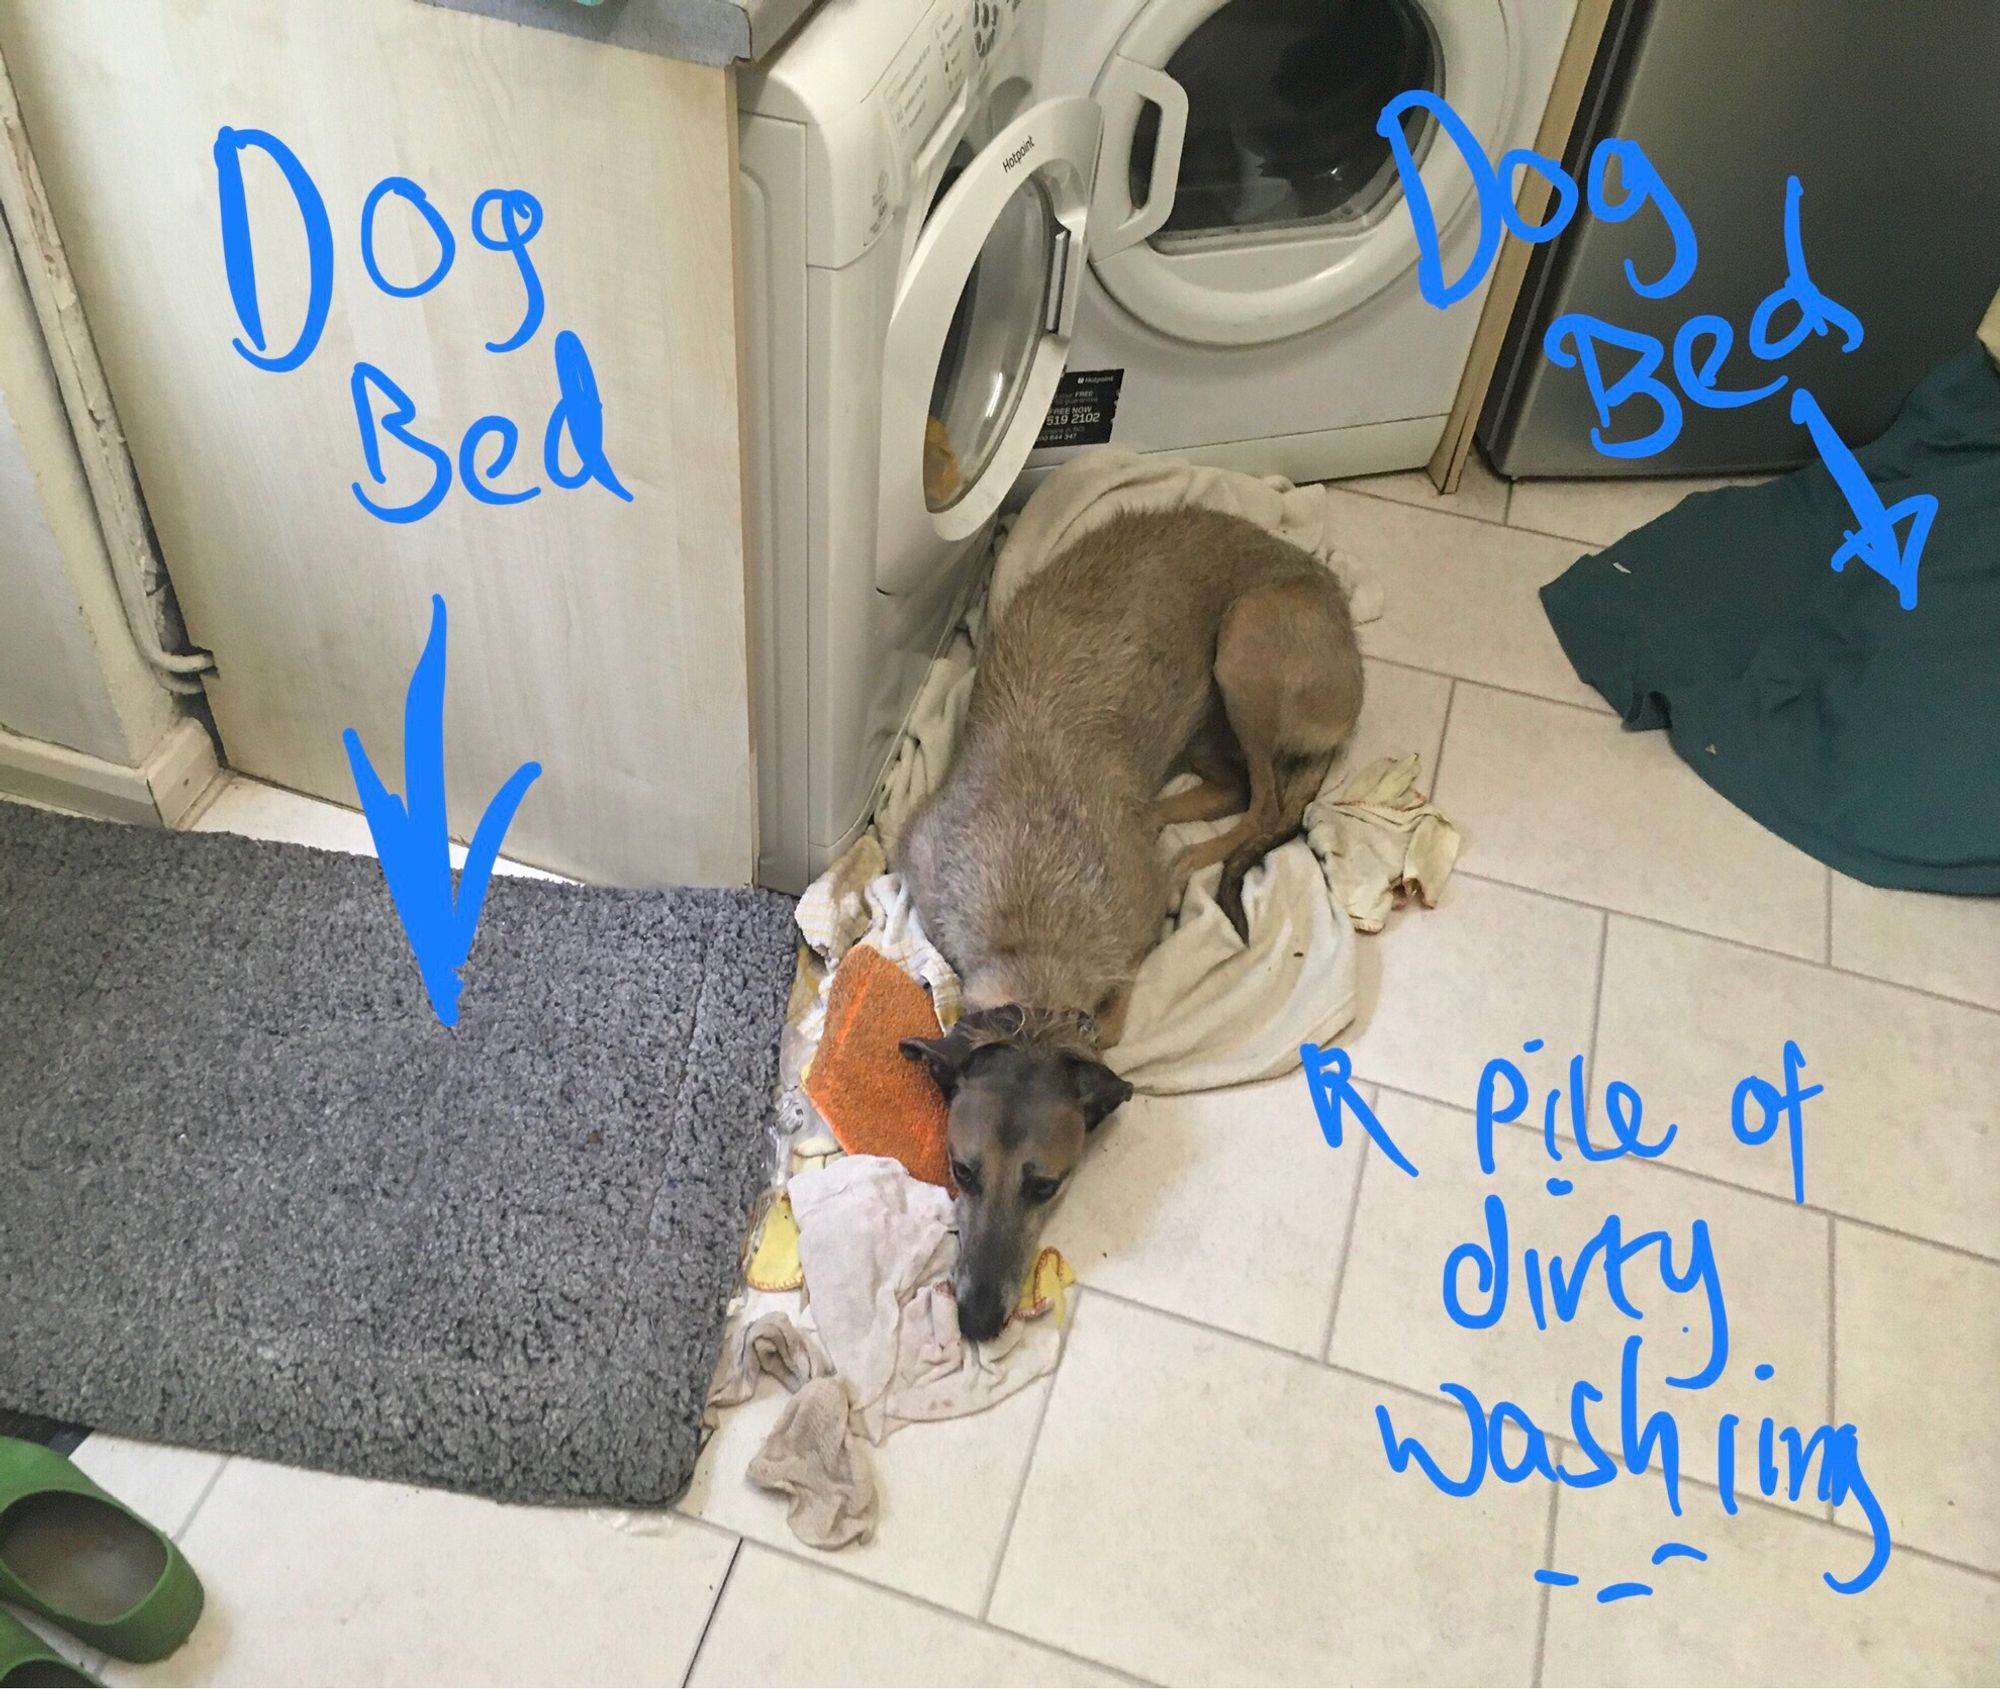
83,1561
27,1662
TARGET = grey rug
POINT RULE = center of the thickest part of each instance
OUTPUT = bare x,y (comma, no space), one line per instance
253,1197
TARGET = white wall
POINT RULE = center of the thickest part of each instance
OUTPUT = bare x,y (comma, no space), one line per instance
69,674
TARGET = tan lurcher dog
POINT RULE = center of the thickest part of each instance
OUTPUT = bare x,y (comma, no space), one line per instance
1155,644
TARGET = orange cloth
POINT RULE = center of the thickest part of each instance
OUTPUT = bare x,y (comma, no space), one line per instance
875,1100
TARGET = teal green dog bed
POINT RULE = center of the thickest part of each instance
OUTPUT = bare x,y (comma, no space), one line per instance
1864,733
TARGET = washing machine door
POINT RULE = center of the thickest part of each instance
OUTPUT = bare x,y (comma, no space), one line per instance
1245,194
980,332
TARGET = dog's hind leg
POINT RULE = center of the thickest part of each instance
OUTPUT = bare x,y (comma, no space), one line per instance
1290,677
1258,817
1214,755
1209,801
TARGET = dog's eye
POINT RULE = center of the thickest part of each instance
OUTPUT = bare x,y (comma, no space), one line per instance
966,1178
1036,1189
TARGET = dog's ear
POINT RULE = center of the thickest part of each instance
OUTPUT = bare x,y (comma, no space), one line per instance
1098,1089
945,1057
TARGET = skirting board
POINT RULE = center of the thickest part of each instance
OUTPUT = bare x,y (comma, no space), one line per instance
158,794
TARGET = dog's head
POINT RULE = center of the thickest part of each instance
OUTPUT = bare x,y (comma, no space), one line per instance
1024,1089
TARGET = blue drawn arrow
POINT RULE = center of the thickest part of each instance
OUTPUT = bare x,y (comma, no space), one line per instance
1875,540
413,839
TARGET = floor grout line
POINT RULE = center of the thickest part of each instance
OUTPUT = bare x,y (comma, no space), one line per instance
1431,1398
1548,1560
1791,1510
1264,1343
1674,1169
1652,920
714,1607
1597,1004
1589,547
1346,1248
822,1562
1724,938
1586,546
1832,1328
201,1500
1028,1462
1444,736
1601,710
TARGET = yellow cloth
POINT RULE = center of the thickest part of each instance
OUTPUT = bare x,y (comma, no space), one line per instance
774,1263
1043,1293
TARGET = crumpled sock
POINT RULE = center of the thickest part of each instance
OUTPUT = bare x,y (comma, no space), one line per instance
1381,842
812,1453
770,1345
813,1457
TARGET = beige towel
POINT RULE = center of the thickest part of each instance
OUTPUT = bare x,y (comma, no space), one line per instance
812,1454
1380,841
1095,486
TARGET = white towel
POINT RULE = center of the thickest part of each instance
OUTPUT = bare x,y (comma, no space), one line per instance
878,1250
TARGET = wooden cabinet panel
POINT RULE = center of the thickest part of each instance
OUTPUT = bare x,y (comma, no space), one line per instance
604,639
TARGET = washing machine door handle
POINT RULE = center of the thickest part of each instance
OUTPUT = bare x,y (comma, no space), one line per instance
1125,90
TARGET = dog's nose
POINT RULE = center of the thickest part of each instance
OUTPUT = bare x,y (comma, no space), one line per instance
981,1314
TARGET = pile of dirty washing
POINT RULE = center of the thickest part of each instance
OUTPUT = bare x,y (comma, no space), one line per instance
848,1301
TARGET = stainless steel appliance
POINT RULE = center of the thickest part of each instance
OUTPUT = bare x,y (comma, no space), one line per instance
1886,112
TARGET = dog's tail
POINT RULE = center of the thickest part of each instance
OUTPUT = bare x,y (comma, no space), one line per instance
1299,781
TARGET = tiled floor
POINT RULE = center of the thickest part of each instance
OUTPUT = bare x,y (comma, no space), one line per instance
1201,1492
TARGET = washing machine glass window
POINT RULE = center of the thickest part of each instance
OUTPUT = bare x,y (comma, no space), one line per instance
1282,101
1245,195
990,345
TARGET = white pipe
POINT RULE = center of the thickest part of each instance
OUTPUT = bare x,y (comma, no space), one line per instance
93,418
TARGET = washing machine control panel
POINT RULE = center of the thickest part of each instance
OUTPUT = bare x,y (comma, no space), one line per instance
929,75
876,163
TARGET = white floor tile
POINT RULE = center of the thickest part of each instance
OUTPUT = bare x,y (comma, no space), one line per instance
1945,944
1599,512
1919,1373
1225,1206
781,1620
1402,710
1771,1261
1488,969
1570,802
1904,1133
316,1579
946,1489
1757,1611
1481,494
258,811
160,1484
1202,1509
1461,597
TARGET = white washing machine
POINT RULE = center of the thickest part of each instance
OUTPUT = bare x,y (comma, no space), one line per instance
1252,297
913,229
